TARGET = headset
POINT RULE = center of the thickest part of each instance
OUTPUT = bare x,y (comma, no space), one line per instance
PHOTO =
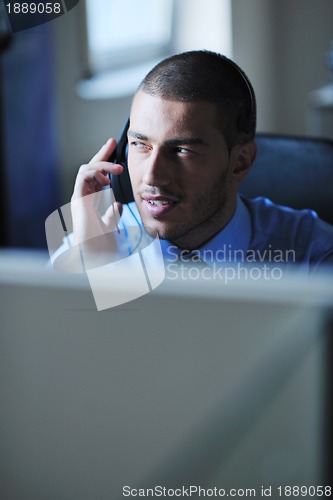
246,121
121,184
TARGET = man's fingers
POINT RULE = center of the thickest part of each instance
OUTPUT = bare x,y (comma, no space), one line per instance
92,178
105,152
101,178
104,167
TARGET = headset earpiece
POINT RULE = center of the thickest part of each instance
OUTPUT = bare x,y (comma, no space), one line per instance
121,184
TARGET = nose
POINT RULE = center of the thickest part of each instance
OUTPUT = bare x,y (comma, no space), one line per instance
156,170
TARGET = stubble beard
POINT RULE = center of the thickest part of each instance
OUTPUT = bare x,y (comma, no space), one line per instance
206,218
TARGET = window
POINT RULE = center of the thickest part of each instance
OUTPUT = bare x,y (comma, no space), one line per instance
124,32
124,39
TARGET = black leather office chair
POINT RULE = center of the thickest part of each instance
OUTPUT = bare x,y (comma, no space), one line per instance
293,171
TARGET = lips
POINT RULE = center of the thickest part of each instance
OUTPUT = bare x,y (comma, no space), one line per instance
159,205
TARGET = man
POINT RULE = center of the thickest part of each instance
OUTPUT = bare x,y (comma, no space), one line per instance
190,144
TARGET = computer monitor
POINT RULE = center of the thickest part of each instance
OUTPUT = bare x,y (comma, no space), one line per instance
196,384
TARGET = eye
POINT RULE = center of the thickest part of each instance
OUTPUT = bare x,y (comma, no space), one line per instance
181,150
140,146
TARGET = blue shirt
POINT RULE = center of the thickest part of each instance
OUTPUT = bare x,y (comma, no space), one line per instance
259,231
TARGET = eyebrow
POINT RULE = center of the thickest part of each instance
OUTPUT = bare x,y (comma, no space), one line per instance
177,141
136,135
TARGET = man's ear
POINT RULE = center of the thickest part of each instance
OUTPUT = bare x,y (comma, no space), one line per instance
242,156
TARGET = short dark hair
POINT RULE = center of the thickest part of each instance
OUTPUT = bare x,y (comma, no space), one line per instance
207,76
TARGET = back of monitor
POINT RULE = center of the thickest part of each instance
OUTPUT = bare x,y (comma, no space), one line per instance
176,388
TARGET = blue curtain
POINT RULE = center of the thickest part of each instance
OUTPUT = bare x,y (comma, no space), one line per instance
29,164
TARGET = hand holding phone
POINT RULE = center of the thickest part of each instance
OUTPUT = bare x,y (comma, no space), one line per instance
93,177
88,221
89,226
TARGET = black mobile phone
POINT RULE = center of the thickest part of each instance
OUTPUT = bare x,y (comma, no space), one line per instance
121,184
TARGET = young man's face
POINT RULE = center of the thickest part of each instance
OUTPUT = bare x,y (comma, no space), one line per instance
180,169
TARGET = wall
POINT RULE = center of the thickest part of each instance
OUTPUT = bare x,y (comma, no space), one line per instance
282,45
